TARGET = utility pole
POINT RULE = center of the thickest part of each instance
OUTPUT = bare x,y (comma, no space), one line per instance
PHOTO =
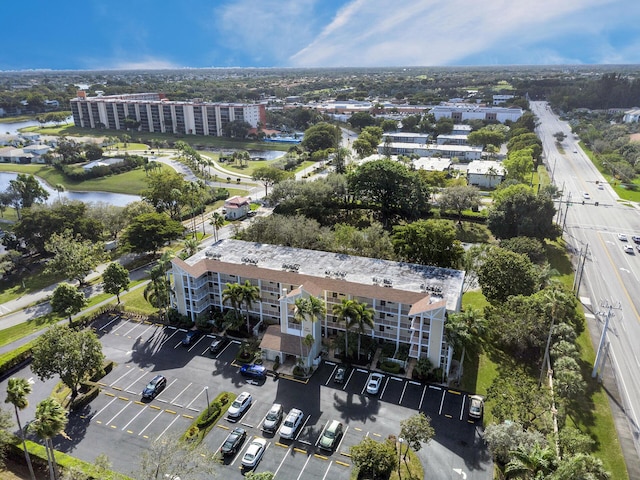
580,269
609,314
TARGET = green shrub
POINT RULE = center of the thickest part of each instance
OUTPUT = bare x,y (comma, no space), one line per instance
86,398
390,367
12,359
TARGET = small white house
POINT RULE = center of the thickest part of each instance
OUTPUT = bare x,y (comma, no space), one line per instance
237,207
485,173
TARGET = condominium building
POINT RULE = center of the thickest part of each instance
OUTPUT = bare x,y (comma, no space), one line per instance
154,113
464,153
410,302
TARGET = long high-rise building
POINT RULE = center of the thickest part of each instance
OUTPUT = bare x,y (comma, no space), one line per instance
154,113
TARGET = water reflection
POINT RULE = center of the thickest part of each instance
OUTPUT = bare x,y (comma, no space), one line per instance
117,199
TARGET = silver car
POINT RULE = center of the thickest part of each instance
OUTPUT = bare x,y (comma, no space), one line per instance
273,418
254,452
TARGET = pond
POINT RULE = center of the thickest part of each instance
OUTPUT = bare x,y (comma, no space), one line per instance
13,128
117,199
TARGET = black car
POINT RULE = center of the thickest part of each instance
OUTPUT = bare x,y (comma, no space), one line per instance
154,387
217,344
233,442
191,337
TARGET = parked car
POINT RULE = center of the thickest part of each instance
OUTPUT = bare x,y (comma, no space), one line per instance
622,237
190,337
586,196
254,453
629,249
476,406
233,442
375,380
240,405
273,418
636,239
340,375
252,370
291,423
217,344
154,387
331,435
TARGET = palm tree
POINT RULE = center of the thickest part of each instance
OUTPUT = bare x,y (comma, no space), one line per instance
364,318
217,221
59,188
300,312
464,329
17,391
191,246
531,463
51,418
156,292
250,294
346,311
233,295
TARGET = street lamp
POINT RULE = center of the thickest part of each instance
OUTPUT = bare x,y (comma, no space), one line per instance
206,391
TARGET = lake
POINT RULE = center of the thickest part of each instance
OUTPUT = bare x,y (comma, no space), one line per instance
117,199
14,127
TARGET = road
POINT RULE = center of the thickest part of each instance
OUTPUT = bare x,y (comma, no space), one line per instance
610,275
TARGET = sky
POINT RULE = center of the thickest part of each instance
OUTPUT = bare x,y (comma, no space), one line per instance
158,34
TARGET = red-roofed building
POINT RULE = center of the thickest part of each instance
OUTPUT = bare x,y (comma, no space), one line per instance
237,207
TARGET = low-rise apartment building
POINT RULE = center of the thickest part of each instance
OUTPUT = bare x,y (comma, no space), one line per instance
410,302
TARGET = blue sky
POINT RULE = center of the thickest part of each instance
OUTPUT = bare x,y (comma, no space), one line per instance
119,34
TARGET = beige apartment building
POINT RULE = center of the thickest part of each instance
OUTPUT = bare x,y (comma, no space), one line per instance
410,301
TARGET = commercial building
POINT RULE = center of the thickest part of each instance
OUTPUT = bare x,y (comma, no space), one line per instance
464,153
485,173
154,113
410,302
459,112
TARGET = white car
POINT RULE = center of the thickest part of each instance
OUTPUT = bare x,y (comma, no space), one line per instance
239,405
254,452
586,196
629,249
622,237
375,380
291,423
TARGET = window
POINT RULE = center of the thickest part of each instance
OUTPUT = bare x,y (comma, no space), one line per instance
382,303
381,328
334,294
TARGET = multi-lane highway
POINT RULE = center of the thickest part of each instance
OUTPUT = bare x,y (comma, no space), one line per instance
611,275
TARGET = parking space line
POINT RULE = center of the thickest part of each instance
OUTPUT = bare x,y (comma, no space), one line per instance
413,382
329,362
275,474
131,384
385,387
361,370
136,416
126,334
348,380
149,424
302,427
304,466
424,390
198,341
126,321
444,392
106,406
176,397
119,412
109,323
464,400
195,398
332,373
170,337
306,442
404,389
145,330
169,426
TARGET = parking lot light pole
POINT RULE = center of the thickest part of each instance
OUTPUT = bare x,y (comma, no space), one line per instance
206,391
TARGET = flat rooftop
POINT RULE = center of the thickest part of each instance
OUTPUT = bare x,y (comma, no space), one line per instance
444,283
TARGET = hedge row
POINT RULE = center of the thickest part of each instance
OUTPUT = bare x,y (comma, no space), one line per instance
209,416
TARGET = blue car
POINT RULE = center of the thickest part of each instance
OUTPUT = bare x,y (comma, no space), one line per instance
252,370
191,337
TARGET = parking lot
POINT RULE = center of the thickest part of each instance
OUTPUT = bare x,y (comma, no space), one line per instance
122,425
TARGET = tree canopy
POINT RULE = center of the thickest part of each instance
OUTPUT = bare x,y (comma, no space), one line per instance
73,257
70,354
505,273
428,242
321,136
149,231
67,300
517,211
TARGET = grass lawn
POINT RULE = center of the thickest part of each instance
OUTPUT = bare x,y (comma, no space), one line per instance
17,285
625,193
134,302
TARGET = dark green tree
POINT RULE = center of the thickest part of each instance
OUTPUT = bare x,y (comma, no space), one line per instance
374,459
73,257
71,354
459,198
27,190
115,279
518,211
321,136
149,231
269,176
428,242
505,273
67,300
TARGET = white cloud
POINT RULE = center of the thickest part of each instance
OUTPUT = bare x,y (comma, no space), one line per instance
147,63
268,28
432,32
